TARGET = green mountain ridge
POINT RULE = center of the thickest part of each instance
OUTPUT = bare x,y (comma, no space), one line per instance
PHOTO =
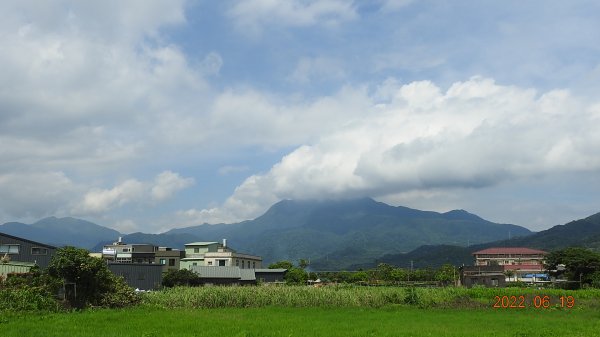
61,232
337,234
583,233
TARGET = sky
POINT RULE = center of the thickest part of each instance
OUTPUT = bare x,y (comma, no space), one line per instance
150,115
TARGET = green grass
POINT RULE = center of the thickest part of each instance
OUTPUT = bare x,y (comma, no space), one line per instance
277,321
328,311
350,296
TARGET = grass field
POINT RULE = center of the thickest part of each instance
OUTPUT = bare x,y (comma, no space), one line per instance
277,321
328,311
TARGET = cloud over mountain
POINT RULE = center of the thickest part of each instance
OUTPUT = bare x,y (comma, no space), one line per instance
474,135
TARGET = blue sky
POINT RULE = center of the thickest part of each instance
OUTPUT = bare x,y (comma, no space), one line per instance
150,115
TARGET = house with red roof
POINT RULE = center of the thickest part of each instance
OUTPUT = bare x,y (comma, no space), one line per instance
525,263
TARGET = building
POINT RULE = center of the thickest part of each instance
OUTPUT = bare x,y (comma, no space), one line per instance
517,263
16,249
121,252
213,254
142,253
270,275
142,276
487,276
14,268
224,275
168,257
210,275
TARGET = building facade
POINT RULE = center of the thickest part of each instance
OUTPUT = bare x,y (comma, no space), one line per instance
517,263
142,276
142,253
214,254
17,249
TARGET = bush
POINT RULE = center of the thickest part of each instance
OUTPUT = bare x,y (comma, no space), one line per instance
119,295
182,277
95,284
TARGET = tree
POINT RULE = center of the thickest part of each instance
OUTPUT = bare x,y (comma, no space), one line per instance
294,274
509,273
181,277
303,263
580,263
94,283
281,265
446,274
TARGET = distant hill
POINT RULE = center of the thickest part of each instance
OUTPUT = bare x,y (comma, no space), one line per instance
334,234
61,232
582,233
343,233
428,256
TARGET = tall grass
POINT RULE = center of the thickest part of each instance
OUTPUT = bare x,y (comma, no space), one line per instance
347,296
27,299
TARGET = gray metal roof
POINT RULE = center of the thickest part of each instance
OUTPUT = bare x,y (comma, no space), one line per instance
247,275
217,272
270,270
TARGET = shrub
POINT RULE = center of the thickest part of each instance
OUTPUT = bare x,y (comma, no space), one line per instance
95,284
182,277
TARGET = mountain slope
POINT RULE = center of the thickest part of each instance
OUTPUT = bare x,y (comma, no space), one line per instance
61,231
341,233
584,233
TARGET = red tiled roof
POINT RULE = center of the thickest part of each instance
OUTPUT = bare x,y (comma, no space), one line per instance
510,250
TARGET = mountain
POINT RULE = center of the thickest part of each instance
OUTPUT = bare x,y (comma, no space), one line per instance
428,256
337,234
584,233
61,232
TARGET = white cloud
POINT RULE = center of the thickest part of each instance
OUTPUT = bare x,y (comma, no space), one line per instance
476,134
164,186
252,15
35,194
102,200
168,183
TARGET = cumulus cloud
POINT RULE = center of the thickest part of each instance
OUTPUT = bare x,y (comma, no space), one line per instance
168,183
35,194
475,134
164,186
252,15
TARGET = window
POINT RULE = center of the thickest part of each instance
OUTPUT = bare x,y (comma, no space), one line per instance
39,251
221,263
10,249
194,264
163,261
171,262
125,250
248,264
210,263
253,265
196,250
237,263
